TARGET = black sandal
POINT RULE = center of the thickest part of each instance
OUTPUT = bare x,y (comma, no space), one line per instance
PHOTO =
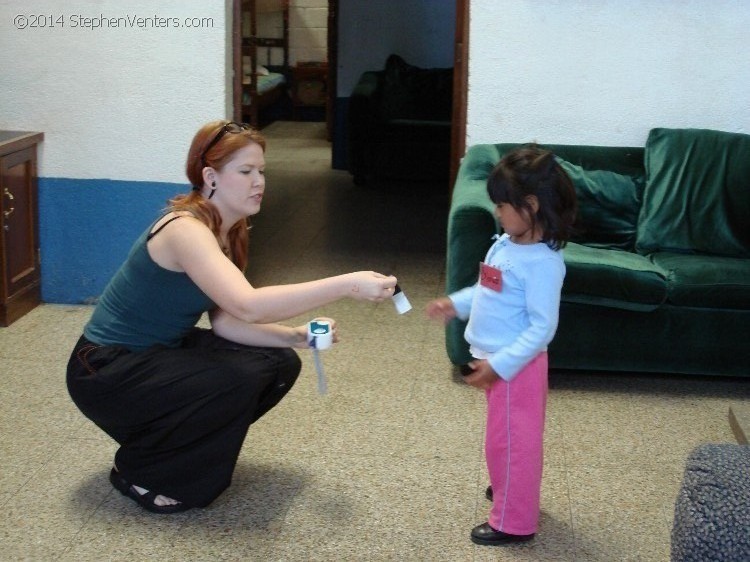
146,500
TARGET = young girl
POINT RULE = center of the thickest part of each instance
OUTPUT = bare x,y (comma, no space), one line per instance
513,313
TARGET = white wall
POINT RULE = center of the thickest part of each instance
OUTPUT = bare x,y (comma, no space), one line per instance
308,31
114,102
606,71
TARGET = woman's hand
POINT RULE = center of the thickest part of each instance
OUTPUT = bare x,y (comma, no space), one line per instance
371,286
441,309
484,376
300,341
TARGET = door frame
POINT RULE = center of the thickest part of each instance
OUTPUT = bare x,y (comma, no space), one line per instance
460,75
460,88
332,58
237,60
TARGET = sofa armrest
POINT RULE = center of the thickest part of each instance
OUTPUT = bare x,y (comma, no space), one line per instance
471,218
471,226
367,85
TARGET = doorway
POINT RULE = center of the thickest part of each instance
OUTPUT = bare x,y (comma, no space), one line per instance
334,114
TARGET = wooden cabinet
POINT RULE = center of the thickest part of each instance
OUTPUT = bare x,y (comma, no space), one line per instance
309,85
310,82
20,289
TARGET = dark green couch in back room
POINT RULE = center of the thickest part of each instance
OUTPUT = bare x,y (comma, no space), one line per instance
658,276
399,123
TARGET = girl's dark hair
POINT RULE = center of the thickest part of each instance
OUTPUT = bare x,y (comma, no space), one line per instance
531,170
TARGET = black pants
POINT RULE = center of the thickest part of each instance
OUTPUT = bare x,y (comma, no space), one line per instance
180,414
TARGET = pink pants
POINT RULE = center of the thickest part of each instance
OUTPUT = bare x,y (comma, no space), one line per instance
513,447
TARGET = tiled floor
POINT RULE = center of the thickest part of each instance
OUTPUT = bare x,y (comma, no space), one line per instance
389,464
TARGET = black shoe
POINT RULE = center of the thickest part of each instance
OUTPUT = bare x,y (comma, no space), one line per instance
486,535
488,493
146,500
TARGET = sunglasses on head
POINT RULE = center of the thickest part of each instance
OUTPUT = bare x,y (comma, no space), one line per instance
231,127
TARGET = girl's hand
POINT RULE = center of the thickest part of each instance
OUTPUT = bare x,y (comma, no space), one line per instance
300,338
371,286
484,376
441,309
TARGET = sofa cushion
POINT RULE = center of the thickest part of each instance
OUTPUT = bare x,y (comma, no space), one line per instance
410,92
697,196
706,281
608,206
613,278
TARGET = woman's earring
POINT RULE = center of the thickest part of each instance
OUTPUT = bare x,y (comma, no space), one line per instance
213,185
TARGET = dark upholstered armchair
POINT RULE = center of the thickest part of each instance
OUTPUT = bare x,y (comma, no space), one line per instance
399,123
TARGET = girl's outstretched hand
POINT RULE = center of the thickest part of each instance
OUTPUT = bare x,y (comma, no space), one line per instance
371,286
441,309
484,376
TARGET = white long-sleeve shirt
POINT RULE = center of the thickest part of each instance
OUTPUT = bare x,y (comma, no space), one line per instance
511,327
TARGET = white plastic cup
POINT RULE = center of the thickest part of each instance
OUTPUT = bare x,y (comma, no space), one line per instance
319,334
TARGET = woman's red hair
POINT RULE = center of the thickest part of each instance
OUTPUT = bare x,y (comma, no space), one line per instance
217,157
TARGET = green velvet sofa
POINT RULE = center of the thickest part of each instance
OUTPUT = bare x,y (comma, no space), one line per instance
399,123
658,275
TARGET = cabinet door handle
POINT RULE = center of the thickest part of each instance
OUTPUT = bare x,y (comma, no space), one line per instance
6,214
9,212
